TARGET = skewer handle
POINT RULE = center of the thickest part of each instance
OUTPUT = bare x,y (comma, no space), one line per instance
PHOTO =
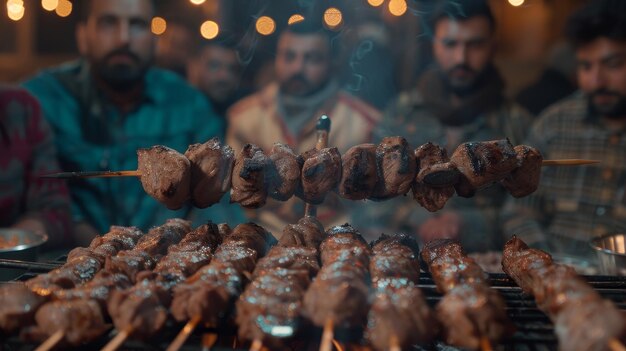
569,162
394,344
117,341
616,345
327,336
208,340
184,333
51,341
485,344
257,345
94,174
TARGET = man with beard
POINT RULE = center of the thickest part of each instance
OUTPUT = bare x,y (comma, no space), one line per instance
287,111
216,71
574,204
111,102
458,100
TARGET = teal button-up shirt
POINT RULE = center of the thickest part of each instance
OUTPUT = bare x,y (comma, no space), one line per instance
92,134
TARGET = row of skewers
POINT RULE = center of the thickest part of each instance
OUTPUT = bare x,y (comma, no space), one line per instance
368,171
278,288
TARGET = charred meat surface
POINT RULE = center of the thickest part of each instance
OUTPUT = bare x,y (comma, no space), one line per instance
433,162
165,175
249,187
486,162
524,180
396,168
307,232
283,172
321,173
359,172
211,171
18,307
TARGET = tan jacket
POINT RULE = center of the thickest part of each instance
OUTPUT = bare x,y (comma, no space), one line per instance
256,119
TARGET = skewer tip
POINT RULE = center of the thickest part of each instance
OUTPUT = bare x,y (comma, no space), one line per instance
485,344
118,340
184,334
257,345
616,345
327,336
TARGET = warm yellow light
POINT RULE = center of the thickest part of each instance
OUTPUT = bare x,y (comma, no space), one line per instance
333,17
516,2
197,2
49,5
15,2
209,29
265,25
64,8
158,25
16,13
397,7
15,7
375,3
295,19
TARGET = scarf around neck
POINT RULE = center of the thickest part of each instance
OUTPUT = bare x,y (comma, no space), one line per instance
297,111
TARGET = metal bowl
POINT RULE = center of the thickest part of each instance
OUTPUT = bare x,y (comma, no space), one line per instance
611,252
26,248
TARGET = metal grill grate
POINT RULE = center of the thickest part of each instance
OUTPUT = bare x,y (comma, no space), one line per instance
534,330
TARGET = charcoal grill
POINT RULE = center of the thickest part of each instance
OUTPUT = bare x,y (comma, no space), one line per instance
534,330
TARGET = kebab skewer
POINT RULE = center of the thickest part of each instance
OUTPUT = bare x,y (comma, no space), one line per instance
472,314
583,319
377,172
399,316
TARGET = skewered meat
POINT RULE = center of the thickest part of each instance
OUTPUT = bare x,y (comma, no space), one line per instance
124,237
524,180
292,258
140,308
396,168
433,160
80,320
583,319
18,307
321,173
399,311
283,172
211,171
359,174
98,289
255,237
486,162
393,259
340,290
249,188
165,175
470,309
307,232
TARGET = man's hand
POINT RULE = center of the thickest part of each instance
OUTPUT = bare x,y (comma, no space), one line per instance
447,225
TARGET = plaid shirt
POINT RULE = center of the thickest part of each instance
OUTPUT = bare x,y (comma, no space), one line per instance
26,152
572,204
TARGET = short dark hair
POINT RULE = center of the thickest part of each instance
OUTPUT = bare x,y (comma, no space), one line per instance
84,8
460,10
599,18
309,26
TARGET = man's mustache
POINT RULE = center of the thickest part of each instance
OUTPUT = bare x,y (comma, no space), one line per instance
605,92
461,67
122,52
298,78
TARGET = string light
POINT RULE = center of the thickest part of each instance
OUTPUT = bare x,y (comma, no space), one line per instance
49,5
64,8
15,10
375,3
197,2
516,2
209,29
333,17
295,19
158,25
397,7
265,25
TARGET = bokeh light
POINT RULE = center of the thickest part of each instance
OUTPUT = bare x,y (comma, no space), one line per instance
158,25
209,29
15,11
64,8
516,2
49,5
375,3
197,2
265,25
295,19
397,7
333,17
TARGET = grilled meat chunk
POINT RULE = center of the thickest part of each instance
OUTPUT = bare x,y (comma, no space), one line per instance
283,172
433,167
486,162
211,171
165,175
321,173
249,187
307,232
18,306
524,180
359,173
396,168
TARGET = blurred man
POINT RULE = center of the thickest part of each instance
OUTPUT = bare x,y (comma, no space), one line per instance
458,100
27,151
105,106
287,111
175,47
215,70
574,204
